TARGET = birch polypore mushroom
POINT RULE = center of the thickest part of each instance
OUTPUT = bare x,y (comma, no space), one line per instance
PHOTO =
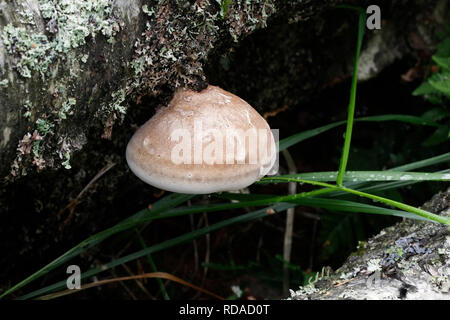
202,142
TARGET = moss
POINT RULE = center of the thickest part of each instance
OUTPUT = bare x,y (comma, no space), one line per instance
360,248
224,7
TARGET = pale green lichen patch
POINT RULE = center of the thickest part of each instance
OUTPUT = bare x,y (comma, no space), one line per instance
118,97
303,292
44,137
4,83
147,11
66,162
439,270
69,22
32,50
44,126
66,108
26,15
112,111
28,106
84,58
374,265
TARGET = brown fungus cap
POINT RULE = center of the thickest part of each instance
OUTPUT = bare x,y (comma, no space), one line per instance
202,142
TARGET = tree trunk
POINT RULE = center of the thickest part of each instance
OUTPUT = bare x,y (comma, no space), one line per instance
72,67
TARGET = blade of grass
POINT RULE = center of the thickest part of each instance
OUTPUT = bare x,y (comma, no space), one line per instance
351,7
299,199
137,219
351,106
161,205
390,185
400,117
175,199
334,205
299,137
279,207
362,176
378,186
417,211
256,201
164,245
424,163
364,186
304,135
152,265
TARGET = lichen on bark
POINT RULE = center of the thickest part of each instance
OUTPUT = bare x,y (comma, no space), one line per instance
410,260
41,48
55,44
77,65
179,35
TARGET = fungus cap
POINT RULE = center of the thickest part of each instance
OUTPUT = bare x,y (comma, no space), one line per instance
202,142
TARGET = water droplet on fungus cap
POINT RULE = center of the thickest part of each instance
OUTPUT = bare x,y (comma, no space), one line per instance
202,142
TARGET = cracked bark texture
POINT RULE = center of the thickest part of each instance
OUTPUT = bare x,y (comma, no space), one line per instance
410,260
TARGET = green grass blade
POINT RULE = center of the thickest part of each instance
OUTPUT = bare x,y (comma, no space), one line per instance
334,205
152,265
400,117
351,106
164,245
424,163
360,10
299,137
362,176
398,184
161,205
417,211
365,186
168,202
252,201
304,135
377,187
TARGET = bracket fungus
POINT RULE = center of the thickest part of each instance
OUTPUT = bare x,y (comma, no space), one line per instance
203,142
